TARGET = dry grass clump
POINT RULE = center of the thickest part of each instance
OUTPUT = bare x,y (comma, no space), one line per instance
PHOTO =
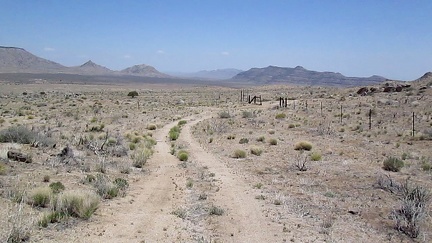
40,197
315,156
151,126
256,151
106,188
303,145
139,158
273,141
3,168
280,116
238,154
80,204
174,133
224,115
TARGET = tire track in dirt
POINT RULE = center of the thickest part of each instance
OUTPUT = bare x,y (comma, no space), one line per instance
243,220
144,215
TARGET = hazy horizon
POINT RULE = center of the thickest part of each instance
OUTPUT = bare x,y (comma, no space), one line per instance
356,38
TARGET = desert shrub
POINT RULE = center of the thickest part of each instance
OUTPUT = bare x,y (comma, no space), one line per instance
180,212
121,183
51,217
243,140
174,133
139,158
41,196
105,188
271,131
256,151
57,187
151,126
3,168
315,156
291,125
132,94
280,116
224,114
261,139
182,155
189,183
181,123
303,145
214,210
17,134
247,114
80,204
132,146
273,141
393,164
413,209
238,153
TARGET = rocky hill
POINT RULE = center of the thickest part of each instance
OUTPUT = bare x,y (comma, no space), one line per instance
302,76
144,70
92,68
18,60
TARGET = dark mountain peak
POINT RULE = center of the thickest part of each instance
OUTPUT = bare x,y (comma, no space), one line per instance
299,68
425,78
89,63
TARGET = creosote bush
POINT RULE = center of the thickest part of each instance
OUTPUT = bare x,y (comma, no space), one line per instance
132,94
393,164
303,145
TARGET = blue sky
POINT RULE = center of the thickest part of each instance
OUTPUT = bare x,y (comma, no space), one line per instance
353,37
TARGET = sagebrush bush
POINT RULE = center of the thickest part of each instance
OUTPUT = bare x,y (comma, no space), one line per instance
214,210
393,164
17,134
238,153
303,145
181,123
105,188
243,140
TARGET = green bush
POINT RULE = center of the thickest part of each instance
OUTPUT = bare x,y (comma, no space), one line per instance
132,94
57,187
393,164
243,140
238,153
183,155
151,126
181,123
139,158
174,133
303,145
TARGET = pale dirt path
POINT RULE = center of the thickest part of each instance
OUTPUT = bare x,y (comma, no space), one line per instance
144,215
243,220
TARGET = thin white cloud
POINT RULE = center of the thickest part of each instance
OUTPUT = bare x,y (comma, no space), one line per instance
225,53
160,52
49,49
127,56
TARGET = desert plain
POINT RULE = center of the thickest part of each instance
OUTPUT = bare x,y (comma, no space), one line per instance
185,163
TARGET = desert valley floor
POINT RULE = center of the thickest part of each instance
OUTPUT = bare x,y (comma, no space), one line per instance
197,164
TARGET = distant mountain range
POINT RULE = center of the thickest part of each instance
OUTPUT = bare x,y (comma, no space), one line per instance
302,76
18,60
217,74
